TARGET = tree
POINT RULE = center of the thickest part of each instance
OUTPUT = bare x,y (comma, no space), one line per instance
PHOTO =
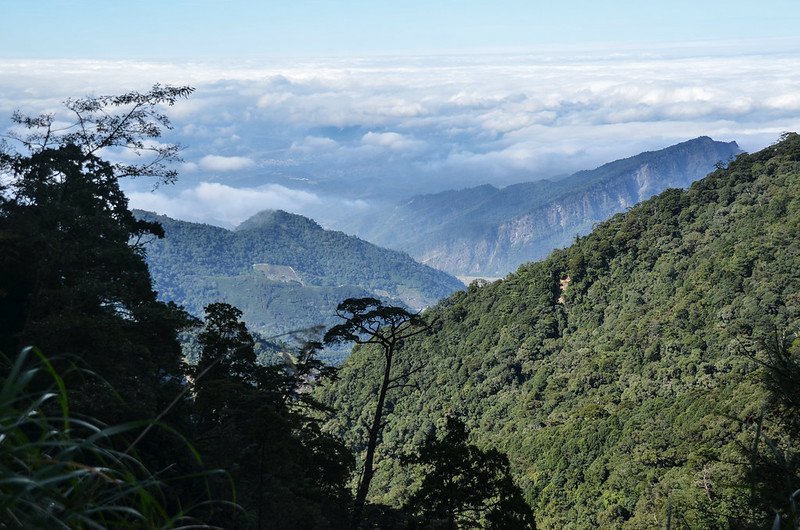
74,280
369,321
227,365
465,487
774,474
100,124
288,473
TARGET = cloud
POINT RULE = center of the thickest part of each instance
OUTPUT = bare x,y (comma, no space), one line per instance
224,163
221,204
392,141
314,144
384,128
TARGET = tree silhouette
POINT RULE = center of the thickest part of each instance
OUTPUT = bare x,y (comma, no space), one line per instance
288,473
95,124
226,369
369,321
465,487
74,279
774,474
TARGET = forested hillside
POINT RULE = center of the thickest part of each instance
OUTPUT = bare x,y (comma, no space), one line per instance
283,270
623,374
486,231
645,377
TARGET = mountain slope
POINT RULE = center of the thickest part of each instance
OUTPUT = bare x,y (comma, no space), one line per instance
613,372
489,231
283,270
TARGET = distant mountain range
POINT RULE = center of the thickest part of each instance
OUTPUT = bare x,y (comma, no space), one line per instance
486,231
283,271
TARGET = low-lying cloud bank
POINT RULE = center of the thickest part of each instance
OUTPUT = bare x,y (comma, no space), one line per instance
216,203
293,135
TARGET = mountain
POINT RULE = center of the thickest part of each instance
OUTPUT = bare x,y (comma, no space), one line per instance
486,231
620,374
282,270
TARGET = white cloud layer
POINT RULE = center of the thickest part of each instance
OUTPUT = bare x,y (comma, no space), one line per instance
383,128
223,205
218,163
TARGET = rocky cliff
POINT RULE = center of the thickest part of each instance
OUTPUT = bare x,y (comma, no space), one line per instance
490,232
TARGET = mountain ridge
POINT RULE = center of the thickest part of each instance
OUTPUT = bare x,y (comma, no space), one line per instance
283,270
490,231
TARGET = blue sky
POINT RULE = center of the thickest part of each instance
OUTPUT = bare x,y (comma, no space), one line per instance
207,29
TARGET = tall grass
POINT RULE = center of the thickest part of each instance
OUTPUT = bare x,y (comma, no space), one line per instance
61,471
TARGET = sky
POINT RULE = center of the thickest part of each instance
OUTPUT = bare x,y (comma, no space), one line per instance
210,29
327,108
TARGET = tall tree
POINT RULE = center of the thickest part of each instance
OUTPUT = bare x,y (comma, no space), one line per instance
774,474
368,321
74,280
227,365
288,473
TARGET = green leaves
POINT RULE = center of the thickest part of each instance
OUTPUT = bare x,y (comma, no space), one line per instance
630,391
285,468
58,471
465,487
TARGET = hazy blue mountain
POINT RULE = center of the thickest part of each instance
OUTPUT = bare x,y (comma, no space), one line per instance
487,231
283,271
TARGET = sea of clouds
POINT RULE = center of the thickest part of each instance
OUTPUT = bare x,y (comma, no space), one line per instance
329,137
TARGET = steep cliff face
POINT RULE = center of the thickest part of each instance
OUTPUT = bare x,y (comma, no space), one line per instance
489,231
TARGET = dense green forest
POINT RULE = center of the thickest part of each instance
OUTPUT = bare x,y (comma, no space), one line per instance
284,271
104,424
622,375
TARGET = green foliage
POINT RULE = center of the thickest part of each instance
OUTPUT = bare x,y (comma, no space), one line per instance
62,471
623,390
288,473
489,231
227,366
195,265
612,374
368,321
75,282
465,487
774,476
